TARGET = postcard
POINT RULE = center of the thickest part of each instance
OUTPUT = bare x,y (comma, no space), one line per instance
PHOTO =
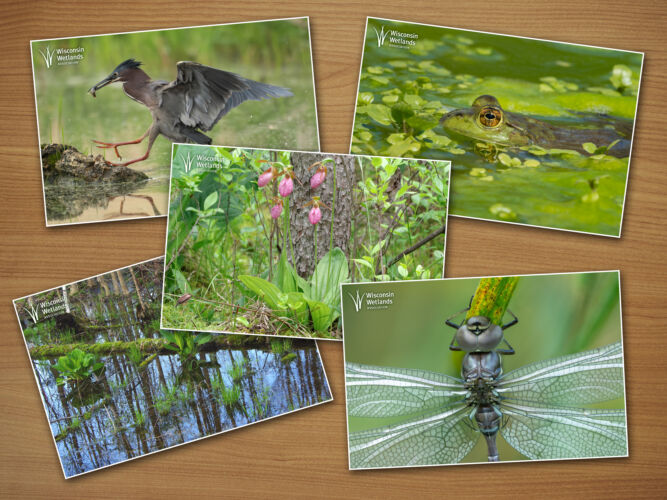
539,132
115,387
109,107
492,369
258,240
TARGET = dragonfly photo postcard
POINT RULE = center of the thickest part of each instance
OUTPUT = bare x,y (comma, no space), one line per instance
473,370
259,241
115,387
110,106
539,132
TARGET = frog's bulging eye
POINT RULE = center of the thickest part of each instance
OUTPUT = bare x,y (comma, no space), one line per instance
490,117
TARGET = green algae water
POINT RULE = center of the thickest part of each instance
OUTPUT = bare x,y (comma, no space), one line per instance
573,177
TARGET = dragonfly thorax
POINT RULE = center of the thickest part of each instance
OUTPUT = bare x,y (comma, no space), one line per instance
478,334
481,366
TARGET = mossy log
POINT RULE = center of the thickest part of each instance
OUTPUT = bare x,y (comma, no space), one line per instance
492,298
61,159
156,346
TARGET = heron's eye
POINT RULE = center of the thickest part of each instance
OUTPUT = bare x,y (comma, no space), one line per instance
490,117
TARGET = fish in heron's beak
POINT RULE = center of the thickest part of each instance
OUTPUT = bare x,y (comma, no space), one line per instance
113,77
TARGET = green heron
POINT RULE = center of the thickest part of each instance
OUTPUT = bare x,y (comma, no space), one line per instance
197,99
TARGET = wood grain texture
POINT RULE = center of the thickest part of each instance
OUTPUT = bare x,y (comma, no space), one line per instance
305,454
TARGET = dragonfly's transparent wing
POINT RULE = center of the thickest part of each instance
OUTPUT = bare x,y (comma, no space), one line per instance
439,437
374,391
577,379
549,433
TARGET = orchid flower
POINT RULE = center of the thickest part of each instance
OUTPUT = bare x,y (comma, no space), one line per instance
276,210
315,214
286,185
267,176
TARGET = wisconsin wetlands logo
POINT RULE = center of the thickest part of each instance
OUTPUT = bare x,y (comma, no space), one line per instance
44,309
357,300
372,300
62,57
47,56
187,162
381,35
200,161
397,39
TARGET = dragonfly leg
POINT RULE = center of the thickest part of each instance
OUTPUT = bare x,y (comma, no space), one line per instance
508,351
451,323
448,322
511,323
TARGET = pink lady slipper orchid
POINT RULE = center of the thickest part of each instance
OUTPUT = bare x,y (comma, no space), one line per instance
266,177
315,215
318,177
286,185
276,210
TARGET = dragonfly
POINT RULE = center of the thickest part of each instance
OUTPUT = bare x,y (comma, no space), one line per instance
541,409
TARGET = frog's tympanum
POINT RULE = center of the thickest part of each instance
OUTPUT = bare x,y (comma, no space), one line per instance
487,121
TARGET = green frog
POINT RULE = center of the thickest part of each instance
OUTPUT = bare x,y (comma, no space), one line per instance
487,121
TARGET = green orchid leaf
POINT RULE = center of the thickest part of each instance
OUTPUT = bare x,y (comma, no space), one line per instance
266,291
330,272
323,315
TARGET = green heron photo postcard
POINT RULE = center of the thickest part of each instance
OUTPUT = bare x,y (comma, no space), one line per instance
110,106
539,133
478,370
259,240
115,387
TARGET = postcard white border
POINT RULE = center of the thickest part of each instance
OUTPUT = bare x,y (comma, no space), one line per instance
625,398
41,396
39,138
171,176
634,122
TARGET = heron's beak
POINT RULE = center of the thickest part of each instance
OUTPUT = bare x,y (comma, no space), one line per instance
109,79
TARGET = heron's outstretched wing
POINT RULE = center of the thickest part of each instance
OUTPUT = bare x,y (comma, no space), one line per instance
577,379
444,436
202,95
541,432
377,391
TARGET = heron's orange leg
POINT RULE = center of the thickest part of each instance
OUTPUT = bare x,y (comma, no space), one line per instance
151,140
114,145
126,163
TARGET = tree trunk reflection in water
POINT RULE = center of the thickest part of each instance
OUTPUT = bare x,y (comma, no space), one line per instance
114,431
148,394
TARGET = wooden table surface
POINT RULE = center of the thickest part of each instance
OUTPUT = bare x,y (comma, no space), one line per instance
305,454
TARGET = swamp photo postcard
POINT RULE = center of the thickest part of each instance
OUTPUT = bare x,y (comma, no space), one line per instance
539,132
109,106
474,370
259,241
115,387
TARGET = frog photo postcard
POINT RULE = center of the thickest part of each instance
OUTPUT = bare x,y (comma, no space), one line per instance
115,387
109,107
539,132
259,240
477,370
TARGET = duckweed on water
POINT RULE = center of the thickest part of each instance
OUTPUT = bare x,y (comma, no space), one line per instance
588,92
